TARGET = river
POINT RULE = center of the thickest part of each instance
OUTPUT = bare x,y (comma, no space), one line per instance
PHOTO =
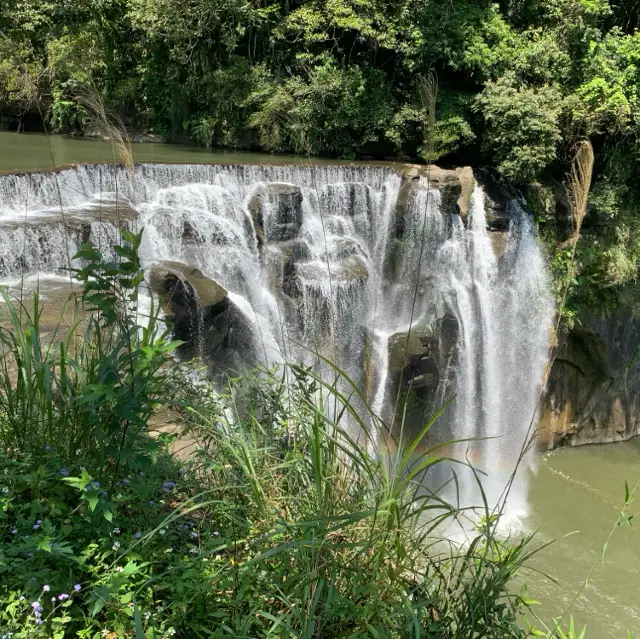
578,490
582,491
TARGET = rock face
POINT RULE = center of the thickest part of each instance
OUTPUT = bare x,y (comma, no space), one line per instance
277,212
202,315
593,392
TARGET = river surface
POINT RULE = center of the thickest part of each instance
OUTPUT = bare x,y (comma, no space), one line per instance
582,491
39,152
578,490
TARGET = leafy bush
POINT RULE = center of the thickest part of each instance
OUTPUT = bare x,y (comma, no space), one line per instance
522,126
280,524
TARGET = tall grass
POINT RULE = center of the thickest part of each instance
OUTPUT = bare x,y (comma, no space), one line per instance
85,387
335,540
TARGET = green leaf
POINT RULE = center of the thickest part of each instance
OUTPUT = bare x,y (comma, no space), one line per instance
138,621
100,595
44,544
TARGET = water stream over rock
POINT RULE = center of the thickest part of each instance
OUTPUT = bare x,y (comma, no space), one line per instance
379,269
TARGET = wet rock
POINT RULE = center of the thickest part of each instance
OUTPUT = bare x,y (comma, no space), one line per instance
350,271
202,315
424,353
498,202
277,212
499,241
467,184
349,198
346,248
347,265
294,253
455,187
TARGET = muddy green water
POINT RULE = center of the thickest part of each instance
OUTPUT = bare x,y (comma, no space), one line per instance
577,490
38,152
581,491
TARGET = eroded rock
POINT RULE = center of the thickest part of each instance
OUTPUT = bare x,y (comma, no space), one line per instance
593,391
202,315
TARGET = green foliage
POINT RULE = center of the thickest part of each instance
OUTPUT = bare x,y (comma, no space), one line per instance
337,111
88,392
522,126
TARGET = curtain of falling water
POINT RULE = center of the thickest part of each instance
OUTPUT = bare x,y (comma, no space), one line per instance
358,284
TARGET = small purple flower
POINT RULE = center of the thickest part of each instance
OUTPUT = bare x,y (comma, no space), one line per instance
194,534
62,596
151,502
47,447
36,605
39,621
37,524
29,555
168,485
138,535
32,580
14,531
125,482
64,472
46,588
95,484
77,587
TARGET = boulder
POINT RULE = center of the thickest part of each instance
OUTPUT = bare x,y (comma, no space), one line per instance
277,212
203,317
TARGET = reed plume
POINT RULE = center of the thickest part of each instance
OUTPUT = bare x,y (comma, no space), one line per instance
580,185
109,124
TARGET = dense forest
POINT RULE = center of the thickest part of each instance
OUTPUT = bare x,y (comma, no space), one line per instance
519,83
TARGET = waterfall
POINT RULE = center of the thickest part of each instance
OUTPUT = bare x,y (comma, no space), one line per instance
351,263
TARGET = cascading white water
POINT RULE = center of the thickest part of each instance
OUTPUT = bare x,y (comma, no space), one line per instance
313,258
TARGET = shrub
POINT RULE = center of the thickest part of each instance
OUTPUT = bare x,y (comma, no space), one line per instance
522,126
